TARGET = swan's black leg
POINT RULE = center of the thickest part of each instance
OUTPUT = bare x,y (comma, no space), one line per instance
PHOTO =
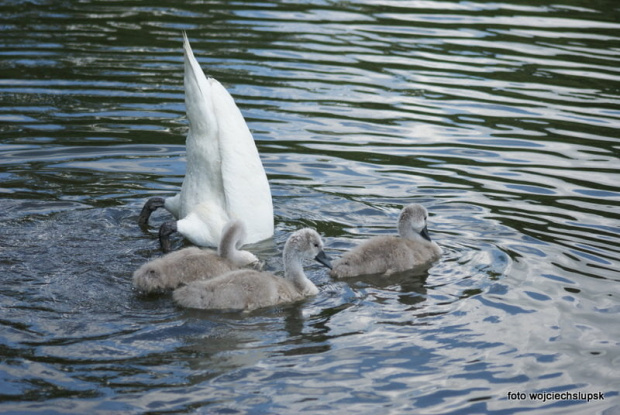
167,229
150,206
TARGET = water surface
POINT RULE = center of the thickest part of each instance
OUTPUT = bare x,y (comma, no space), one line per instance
501,118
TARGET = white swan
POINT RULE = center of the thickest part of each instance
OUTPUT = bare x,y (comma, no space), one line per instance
224,176
190,264
387,255
248,290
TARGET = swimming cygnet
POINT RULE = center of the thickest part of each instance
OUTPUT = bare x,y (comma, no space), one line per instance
390,254
248,289
189,264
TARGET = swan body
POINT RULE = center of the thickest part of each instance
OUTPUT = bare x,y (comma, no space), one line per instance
248,289
224,177
386,255
190,264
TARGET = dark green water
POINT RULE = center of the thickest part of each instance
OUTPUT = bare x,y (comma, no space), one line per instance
503,119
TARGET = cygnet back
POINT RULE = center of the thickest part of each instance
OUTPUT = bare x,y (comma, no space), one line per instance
386,255
190,264
248,289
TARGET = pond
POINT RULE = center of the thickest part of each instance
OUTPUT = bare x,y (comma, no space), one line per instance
501,118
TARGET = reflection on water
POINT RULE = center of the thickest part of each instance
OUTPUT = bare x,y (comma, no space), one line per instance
500,118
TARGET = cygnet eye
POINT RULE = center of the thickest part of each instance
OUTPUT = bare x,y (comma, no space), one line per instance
316,245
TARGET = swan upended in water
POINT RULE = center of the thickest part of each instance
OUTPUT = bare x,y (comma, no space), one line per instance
248,289
190,264
224,176
390,254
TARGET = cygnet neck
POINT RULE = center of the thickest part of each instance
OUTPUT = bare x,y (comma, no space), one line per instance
294,271
407,232
232,235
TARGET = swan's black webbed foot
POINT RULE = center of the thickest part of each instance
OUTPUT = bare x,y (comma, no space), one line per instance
167,229
150,206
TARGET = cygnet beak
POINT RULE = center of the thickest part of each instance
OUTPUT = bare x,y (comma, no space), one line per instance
424,233
323,259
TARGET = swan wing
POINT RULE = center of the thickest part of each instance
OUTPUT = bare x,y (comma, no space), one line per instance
247,192
203,177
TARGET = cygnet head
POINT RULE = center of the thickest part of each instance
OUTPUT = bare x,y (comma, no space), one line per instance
233,236
412,222
305,244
